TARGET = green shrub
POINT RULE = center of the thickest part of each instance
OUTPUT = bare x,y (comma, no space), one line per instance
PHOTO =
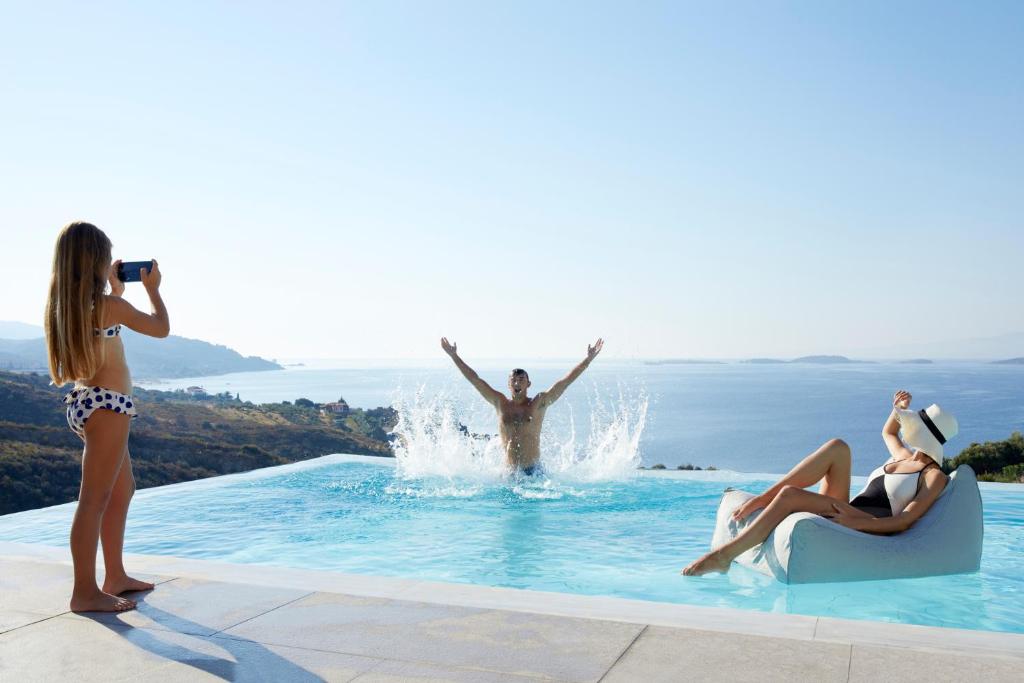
992,460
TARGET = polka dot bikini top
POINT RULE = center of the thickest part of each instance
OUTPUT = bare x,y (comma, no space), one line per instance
112,331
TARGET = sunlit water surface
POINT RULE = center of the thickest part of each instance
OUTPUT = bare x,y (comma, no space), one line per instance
572,533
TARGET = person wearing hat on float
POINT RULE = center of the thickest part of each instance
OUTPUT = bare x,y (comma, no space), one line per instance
897,494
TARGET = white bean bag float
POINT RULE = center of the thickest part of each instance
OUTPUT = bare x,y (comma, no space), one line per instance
808,548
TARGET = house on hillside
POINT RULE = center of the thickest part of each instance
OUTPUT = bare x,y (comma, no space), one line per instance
337,409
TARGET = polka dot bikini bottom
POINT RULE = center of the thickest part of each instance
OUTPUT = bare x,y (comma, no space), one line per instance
84,401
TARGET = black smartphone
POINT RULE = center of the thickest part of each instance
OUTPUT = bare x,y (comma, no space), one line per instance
131,271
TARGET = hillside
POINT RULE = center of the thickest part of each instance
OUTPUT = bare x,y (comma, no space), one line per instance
176,438
148,358
11,329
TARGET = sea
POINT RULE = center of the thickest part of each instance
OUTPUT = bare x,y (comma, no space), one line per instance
744,417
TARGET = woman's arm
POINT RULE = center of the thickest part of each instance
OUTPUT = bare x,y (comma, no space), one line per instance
933,482
891,428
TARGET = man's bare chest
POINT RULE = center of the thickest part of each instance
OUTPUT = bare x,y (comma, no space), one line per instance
525,417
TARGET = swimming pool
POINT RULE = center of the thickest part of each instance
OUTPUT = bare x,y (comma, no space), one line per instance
623,538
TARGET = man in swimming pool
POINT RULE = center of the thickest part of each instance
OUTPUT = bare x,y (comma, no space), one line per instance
520,418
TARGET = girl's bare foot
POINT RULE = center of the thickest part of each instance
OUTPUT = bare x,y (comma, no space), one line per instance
115,585
712,562
100,602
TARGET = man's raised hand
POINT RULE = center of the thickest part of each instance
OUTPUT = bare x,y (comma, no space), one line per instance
449,348
592,351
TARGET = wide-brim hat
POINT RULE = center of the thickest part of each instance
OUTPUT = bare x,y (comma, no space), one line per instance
927,430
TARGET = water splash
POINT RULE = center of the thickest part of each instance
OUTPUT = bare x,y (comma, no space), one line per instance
611,450
431,442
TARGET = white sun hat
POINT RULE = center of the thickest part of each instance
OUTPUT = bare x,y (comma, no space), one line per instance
926,430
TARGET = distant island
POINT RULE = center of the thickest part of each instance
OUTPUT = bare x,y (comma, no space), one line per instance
817,360
917,361
148,358
1009,361
827,360
178,436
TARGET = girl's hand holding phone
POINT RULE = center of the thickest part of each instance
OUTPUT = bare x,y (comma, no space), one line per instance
151,277
116,286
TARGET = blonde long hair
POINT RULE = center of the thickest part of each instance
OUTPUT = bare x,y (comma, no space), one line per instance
81,261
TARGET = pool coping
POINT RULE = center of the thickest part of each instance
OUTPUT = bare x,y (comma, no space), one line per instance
673,615
677,615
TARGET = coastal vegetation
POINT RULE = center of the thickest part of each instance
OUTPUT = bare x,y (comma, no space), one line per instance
178,436
993,460
687,467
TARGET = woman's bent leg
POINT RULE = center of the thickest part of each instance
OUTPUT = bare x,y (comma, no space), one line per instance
790,499
106,436
830,465
117,580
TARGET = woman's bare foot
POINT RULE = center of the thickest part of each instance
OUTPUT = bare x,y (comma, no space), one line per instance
115,585
750,507
100,602
712,562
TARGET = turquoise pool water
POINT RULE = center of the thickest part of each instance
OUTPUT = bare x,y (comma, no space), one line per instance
625,538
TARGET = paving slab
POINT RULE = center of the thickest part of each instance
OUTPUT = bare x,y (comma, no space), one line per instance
619,609
944,640
869,664
197,607
12,619
39,587
402,672
29,585
228,659
495,640
79,650
671,655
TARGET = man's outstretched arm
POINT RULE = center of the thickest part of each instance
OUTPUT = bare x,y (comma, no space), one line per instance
559,387
490,395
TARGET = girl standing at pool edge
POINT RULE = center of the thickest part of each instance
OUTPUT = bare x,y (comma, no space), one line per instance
83,326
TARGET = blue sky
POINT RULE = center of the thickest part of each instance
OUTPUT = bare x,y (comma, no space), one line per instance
358,179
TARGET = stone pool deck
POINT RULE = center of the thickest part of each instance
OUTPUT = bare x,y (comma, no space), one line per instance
210,621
